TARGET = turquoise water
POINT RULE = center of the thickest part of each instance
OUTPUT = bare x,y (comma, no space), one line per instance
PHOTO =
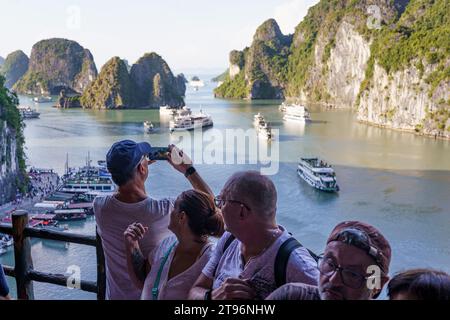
396,181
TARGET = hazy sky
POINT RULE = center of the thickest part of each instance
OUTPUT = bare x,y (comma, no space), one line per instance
188,34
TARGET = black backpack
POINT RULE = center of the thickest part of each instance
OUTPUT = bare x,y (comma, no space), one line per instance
282,258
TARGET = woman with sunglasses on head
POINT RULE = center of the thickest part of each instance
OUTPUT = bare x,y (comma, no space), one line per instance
173,267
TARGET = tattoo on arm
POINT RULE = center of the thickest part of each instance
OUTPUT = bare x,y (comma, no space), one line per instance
139,264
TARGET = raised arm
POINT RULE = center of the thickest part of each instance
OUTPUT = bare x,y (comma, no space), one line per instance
138,265
181,162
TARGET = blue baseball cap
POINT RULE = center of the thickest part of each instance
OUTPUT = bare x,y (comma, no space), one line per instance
125,155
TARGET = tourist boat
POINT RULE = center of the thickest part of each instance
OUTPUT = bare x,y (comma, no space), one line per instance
148,127
184,111
6,240
27,113
282,107
191,122
296,112
42,99
2,250
87,178
265,131
257,118
69,215
87,183
318,174
196,83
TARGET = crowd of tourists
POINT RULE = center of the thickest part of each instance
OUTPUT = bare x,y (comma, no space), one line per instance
165,249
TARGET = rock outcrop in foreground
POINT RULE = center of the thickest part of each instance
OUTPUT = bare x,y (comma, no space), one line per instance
12,158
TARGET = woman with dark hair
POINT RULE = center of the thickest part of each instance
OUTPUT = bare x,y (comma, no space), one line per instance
174,266
420,284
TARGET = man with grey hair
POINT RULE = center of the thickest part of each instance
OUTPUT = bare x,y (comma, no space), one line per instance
246,263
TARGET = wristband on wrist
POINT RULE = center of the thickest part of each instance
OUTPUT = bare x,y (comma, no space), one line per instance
189,171
208,294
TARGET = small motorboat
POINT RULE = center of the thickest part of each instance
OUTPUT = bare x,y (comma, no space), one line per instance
148,127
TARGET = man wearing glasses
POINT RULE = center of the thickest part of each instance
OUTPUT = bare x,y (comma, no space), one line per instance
355,266
128,162
244,269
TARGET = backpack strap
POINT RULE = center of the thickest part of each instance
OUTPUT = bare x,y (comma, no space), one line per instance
230,239
282,258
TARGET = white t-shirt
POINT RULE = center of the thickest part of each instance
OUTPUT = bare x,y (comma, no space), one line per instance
176,288
112,218
260,269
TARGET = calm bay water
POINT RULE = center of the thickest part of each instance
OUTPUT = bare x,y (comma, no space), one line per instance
396,181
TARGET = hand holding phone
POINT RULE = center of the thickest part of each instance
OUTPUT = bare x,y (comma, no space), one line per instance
158,153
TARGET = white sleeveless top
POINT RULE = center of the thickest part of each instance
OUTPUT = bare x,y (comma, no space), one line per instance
177,288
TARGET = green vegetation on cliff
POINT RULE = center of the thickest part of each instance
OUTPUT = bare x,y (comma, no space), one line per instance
10,115
14,67
57,64
221,77
420,37
259,71
235,88
111,89
150,83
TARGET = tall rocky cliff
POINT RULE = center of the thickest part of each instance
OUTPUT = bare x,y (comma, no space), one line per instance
389,60
12,158
149,84
112,88
14,67
258,72
57,64
407,81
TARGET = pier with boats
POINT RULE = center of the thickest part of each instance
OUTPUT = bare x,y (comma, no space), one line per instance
71,200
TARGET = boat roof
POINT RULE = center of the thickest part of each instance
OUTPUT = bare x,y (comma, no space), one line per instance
68,211
80,205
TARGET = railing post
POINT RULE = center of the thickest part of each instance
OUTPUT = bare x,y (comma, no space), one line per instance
101,272
22,255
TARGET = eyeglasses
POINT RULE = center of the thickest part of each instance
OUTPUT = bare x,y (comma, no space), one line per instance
219,202
349,278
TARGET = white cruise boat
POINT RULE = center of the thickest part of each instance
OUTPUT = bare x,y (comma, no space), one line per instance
196,82
185,111
265,131
318,174
27,113
262,127
296,112
191,122
42,99
282,107
257,118
174,111
167,110
148,127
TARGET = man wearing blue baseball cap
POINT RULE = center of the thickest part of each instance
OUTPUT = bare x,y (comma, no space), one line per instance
128,162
